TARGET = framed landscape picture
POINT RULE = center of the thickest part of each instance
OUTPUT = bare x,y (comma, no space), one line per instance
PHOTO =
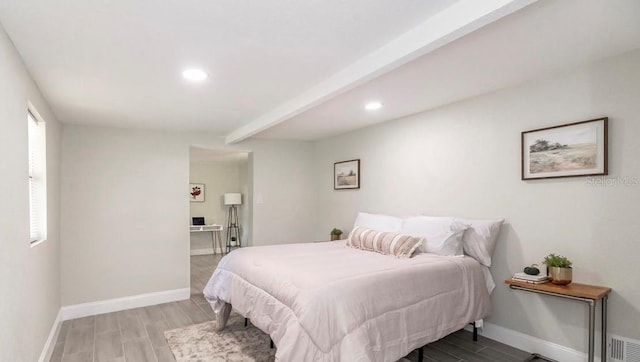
569,150
346,175
196,192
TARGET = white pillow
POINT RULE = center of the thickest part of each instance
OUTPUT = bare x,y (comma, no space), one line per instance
442,235
379,222
480,239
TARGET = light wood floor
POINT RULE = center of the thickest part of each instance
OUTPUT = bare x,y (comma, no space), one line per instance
136,335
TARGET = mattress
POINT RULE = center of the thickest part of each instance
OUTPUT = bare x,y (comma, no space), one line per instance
328,302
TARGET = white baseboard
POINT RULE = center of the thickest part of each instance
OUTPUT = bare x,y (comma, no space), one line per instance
118,304
49,346
206,251
107,306
532,344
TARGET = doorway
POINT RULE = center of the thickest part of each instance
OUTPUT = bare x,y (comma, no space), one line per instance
214,174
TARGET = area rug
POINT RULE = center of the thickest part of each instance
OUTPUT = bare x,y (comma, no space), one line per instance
236,343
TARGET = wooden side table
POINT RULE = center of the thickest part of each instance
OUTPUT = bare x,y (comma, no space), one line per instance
589,294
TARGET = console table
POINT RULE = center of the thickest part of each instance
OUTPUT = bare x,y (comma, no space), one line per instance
586,293
216,234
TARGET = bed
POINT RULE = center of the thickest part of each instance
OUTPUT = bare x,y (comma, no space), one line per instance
329,302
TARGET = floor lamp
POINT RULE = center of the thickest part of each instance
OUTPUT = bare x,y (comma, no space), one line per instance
233,228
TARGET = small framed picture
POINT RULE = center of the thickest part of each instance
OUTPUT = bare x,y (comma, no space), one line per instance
569,150
346,175
196,192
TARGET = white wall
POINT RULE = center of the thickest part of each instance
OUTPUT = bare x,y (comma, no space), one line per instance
464,160
283,192
124,214
244,216
219,177
125,217
29,276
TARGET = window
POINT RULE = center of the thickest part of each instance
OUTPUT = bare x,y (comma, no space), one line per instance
37,178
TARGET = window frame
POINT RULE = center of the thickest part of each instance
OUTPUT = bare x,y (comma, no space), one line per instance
37,173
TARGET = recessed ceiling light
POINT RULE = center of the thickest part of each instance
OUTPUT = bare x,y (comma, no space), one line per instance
372,106
194,75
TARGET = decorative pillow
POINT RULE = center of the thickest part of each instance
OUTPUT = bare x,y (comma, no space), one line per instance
441,235
480,239
398,245
379,222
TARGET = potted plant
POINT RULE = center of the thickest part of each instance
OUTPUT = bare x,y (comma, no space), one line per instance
335,234
559,269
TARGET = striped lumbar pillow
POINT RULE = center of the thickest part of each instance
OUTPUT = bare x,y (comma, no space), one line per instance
388,243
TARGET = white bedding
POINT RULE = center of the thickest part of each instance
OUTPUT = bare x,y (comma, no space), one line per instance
328,302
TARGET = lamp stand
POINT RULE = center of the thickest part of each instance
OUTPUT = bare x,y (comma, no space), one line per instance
233,230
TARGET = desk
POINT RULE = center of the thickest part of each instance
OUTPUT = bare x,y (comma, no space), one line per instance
589,294
216,234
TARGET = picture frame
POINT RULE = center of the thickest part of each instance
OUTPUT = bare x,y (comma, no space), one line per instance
346,175
196,192
568,150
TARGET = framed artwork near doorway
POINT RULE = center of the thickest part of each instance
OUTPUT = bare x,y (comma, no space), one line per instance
196,192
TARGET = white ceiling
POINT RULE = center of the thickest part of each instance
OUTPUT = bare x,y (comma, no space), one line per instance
297,69
542,38
120,62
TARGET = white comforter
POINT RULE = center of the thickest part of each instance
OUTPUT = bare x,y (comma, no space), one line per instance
328,302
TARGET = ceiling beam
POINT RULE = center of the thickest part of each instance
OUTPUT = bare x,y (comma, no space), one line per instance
461,18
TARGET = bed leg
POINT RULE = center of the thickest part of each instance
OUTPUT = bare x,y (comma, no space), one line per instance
245,321
271,342
420,354
475,332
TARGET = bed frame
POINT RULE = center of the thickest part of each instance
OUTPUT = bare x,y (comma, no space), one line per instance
420,350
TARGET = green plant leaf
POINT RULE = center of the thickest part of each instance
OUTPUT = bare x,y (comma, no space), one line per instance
558,261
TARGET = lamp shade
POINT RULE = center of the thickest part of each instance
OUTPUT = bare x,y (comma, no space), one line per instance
233,199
